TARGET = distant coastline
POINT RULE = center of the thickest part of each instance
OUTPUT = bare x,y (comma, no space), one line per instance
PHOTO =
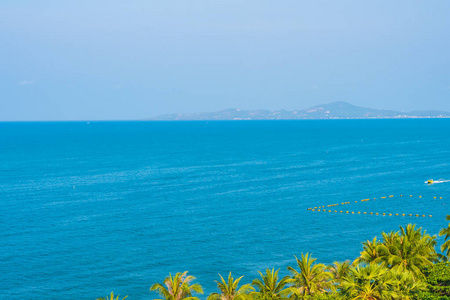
332,111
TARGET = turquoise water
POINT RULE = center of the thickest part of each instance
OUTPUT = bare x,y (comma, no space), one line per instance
90,208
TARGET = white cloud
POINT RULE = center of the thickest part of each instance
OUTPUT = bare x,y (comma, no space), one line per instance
26,82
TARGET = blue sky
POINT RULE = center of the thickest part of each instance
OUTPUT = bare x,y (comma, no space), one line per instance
93,60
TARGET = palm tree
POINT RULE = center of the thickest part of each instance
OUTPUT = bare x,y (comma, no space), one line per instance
111,297
312,279
372,282
177,287
407,284
230,291
406,250
370,252
270,288
446,231
339,270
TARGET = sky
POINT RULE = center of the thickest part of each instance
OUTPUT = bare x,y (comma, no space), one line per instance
134,59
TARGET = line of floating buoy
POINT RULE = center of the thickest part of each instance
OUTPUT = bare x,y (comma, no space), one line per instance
373,213
318,208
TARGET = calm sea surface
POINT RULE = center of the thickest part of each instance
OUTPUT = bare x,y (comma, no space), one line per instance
87,208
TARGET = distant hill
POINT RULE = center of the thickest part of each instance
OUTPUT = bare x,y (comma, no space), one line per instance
334,110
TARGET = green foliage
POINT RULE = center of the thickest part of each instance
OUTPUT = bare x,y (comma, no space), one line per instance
407,285
402,265
230,291
370,253
269,288
438,274
111,297
326,296
177,287
438,281
369,282
446,231
409,249
339,271
430,296
312,279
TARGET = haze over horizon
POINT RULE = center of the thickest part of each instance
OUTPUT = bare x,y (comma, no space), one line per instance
124,60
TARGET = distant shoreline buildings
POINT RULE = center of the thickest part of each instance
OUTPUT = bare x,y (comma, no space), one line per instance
334,111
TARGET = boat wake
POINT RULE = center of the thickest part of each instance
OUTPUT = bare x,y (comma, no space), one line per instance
437,181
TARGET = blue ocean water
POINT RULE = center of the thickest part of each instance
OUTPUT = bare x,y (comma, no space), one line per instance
87,208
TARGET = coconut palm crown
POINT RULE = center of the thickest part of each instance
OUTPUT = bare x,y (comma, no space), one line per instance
177,287
371,282
269,288
446,231
339,270
406,250
370,252
312,279
111,297
229,289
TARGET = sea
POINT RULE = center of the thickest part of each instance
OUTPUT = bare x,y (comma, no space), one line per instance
87,208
